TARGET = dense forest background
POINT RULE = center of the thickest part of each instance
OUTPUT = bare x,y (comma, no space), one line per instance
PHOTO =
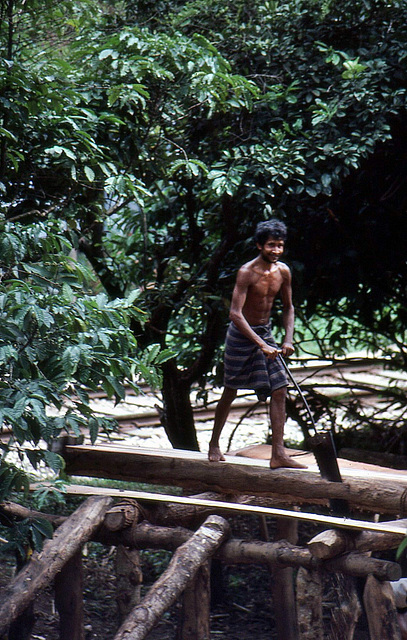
141,143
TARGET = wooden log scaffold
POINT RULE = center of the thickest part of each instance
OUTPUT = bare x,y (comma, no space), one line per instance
334,542
188,470
183,567
44,566
279,553
233,551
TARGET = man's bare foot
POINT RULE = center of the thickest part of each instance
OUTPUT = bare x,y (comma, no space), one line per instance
215,454
286,462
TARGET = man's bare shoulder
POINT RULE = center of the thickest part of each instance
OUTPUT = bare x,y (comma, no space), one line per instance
284,269
247,269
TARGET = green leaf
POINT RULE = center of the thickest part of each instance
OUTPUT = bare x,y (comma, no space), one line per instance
53,460
401,549
164,356
90,174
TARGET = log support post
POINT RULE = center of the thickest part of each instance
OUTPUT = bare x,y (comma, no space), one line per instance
129,578
183,567
69,599
194,623
345,610
44,566
380,610
283,586
309,604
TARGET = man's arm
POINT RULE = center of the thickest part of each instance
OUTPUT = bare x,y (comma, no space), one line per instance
288,312
236,313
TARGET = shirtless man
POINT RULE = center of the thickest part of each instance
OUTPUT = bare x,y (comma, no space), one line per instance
251,353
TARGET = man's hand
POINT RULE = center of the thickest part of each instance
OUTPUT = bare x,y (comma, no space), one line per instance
270,352
287,349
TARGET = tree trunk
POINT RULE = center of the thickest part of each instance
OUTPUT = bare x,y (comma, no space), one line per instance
22,627
281,553
193,471
178,417
333,542
346,610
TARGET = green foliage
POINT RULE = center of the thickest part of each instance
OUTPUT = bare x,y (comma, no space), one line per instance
58,340
152,137
49,494
11,479
27,536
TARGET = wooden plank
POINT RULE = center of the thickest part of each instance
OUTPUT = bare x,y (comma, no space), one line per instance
192,471
352,467
218,505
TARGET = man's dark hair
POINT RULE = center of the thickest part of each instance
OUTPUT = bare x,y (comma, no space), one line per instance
270,229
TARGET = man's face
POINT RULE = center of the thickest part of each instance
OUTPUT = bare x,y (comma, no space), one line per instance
272,250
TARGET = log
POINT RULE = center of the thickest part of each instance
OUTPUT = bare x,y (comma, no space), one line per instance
346,611
44,566
238,507
279,554
185,514
69,599
11,510
309,605
182,568
129,578
122,515
194,623
195,472
356,563
188,514
333,542
21,628
283,585
127,510
380,609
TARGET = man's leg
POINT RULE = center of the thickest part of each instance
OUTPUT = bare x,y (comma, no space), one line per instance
279,457
221,414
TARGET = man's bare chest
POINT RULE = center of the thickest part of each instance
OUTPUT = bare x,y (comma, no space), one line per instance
267,284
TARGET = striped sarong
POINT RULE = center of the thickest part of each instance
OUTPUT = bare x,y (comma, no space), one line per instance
246,367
